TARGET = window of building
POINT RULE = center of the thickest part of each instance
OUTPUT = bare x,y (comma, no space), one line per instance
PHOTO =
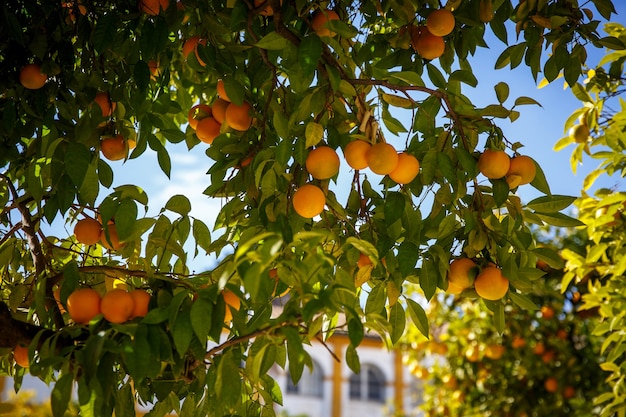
310,383
368,385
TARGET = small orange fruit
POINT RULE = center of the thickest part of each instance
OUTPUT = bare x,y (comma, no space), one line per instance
208,129
364,260
309,201
490,284
267,11
219,109
141,300
190,45
117,306
539,348
547,312
355,153
57,297
20,355
114,148
322,162
440,22
569,392
107,106
87,231
522,170
113,242
406,169
221,91
238,116
320,20
197,113
494,164
83,305
427,45
31,77
232,301
551,384
495,352
459,275
382,158
518,342
155,71
153,7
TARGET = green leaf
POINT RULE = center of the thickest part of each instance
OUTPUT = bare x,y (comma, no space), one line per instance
355,331
104,32
61,395
182,331
409,77
200,315
500,191
408,255
228,384
428,278
581,93
502,91
376,299
310,53
551,203
273,41
549,256
612,42
418,315
77,160
540,182
559,219
464,76
398,101
526,100
522,301
314,132
397,320
394,207
352,359
178,204
436,77
202,235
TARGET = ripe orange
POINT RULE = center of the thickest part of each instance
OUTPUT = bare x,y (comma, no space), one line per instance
518,342
191,44
459,277
31,77
551,384
221,91
117,306
490,284
309,201
472,353
494,164
522,170
440,22
208,129
539,349
547,312
219,109
238,116
320,20
355,153
364,260
232,301
569,392
107,106
406,169
87,231
427,45
322,162
155,71
56,293
114,148
113,243
141,300
197,113
580,133
20,355
495,352
382,158
153,7
83,305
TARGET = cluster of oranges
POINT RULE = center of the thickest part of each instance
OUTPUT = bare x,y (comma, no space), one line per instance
489,282
428,40
113,147
323,163
89,231
496,164
208,121
116,306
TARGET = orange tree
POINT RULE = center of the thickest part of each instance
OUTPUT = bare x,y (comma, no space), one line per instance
545,362
259,85
596,131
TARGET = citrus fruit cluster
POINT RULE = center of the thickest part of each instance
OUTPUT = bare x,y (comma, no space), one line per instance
208,121
89,231
323,163
488,282
116,306
496,164
428,39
